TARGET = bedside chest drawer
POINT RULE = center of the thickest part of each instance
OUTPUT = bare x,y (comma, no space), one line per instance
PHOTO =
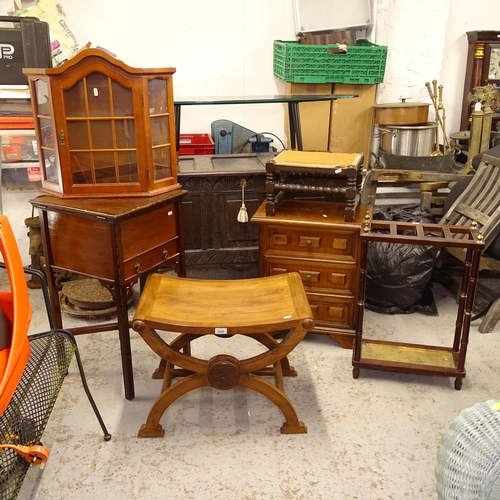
313,239
313,243
330,276
166,253
332,311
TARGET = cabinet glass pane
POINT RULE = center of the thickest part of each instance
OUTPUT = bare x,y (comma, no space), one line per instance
98,94
74,100
123,104
47,133
50,163
157,90
160,130
102,134
78,136
81,168
127,164
104,166
42,98
161,163
125,134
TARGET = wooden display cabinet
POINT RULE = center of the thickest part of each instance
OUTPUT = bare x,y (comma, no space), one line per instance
104,129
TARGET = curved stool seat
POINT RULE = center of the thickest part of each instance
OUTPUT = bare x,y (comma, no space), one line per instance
256,308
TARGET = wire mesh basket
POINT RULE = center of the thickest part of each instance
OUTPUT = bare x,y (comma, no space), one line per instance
26,416
468,462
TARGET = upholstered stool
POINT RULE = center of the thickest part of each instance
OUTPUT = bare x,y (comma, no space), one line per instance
256,308
314,173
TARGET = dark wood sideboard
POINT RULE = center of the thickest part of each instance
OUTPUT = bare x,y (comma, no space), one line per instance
212,232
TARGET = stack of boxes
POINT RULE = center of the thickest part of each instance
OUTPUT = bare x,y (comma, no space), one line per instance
25,43
19,150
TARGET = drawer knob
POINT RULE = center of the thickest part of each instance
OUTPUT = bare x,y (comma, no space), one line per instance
309,243
137,268
165,253
308,277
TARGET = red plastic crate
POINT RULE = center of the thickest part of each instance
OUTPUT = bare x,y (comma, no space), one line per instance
196,144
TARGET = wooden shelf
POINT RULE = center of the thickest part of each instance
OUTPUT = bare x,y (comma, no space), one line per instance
409,358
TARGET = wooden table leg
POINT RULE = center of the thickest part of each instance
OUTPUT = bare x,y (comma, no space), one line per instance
124,336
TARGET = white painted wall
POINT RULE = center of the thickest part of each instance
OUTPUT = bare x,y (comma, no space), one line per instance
225,47
427,40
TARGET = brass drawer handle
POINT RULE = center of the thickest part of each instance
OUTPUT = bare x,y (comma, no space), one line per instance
309,243
308,277
165,253
137,268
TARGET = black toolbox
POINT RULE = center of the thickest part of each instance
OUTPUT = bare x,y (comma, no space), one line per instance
24,45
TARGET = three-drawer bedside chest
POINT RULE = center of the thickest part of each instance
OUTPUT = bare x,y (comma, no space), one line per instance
312,238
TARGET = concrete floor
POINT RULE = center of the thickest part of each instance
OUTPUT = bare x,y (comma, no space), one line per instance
372,438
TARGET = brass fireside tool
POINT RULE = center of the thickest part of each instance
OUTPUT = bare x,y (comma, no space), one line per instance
440,120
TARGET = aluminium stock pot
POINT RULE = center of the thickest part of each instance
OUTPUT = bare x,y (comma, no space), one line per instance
409,140
345,37
402,113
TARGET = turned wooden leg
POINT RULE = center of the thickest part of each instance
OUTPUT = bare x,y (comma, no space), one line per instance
350,202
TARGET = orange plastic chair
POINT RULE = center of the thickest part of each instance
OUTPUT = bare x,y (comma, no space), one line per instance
15,317
32,370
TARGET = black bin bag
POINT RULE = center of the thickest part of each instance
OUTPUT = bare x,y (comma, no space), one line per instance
399,275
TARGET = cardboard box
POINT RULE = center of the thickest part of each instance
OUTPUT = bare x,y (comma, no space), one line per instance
351,121
314,116
341,126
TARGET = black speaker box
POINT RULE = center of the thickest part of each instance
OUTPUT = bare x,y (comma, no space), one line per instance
24,45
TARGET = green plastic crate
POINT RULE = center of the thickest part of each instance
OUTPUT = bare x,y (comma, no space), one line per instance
301,63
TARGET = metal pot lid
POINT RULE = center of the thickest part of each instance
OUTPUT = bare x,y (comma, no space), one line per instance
402,104
423,126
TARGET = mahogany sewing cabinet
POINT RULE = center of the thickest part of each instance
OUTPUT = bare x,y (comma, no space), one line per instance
114,240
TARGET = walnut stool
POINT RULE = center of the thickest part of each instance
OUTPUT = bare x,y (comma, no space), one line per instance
256,308
312,172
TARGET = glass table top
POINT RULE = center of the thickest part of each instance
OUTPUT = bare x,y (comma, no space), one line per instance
261,99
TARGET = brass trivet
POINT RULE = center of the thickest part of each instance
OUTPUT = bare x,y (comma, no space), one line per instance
88,298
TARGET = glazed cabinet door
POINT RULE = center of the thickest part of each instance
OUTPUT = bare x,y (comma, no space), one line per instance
98,136
162,127
48,151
